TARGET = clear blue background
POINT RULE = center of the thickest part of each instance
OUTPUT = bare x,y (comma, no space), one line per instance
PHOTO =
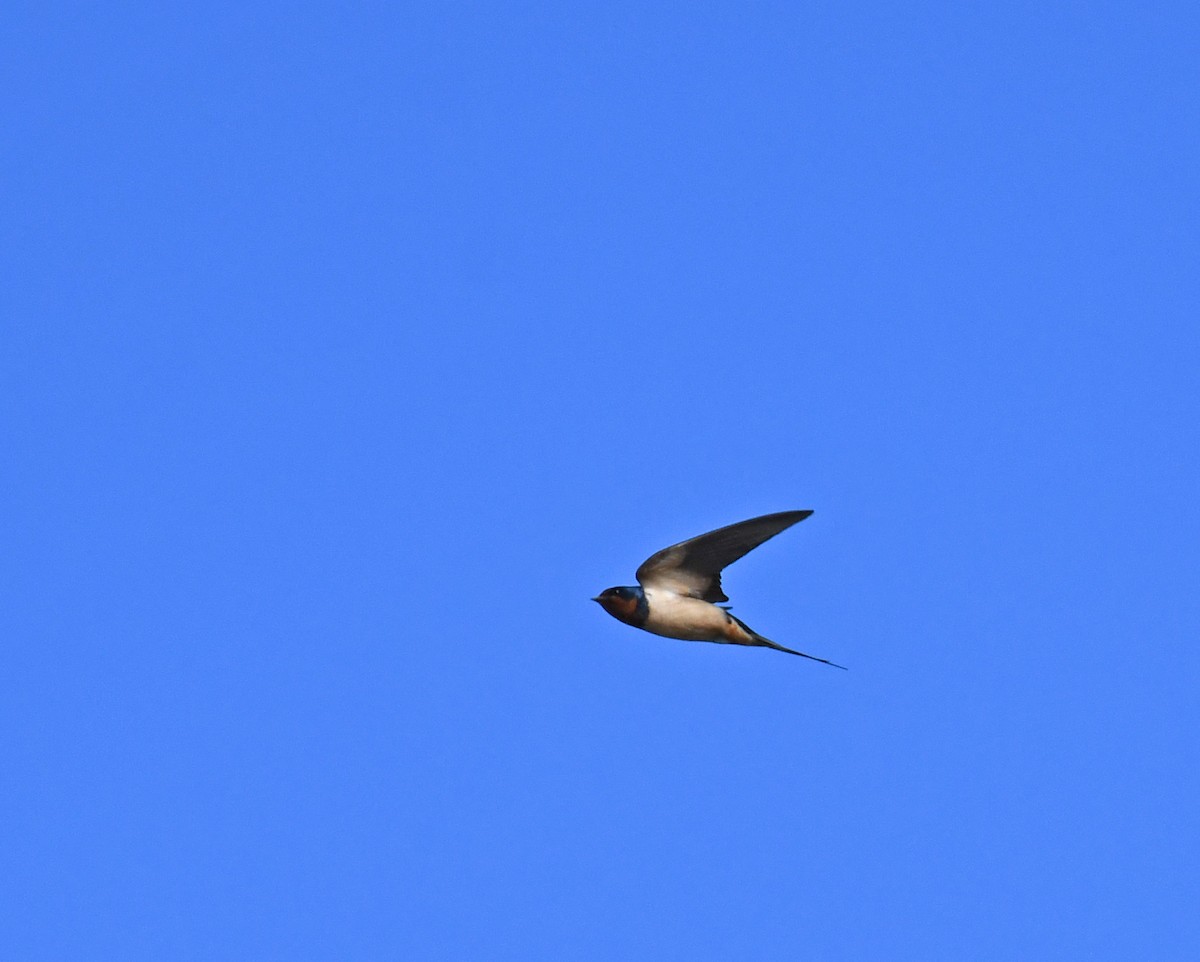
348,350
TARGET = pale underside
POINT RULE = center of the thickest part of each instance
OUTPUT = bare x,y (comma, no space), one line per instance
688,619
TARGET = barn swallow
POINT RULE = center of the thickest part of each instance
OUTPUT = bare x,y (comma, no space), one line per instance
679,586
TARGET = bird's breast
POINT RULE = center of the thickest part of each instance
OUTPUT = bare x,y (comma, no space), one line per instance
678,616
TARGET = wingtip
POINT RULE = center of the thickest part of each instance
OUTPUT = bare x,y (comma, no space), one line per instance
787,517
794,517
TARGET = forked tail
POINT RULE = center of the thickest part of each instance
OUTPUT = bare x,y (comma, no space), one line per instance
759,640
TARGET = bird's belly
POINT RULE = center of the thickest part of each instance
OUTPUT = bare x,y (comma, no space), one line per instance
688,619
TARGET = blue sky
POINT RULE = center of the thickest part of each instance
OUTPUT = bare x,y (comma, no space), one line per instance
350,349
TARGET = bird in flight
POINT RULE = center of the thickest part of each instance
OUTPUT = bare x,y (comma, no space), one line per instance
679,587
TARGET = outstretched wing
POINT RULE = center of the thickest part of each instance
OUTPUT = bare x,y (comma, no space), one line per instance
693,567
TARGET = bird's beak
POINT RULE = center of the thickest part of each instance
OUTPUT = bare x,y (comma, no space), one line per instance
597,598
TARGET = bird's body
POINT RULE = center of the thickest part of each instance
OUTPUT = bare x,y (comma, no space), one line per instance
678,616
678,587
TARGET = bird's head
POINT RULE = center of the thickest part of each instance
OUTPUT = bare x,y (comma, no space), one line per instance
624,604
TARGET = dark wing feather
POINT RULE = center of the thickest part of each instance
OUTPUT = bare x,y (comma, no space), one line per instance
693,567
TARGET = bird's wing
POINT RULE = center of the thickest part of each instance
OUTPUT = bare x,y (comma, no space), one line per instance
693,567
